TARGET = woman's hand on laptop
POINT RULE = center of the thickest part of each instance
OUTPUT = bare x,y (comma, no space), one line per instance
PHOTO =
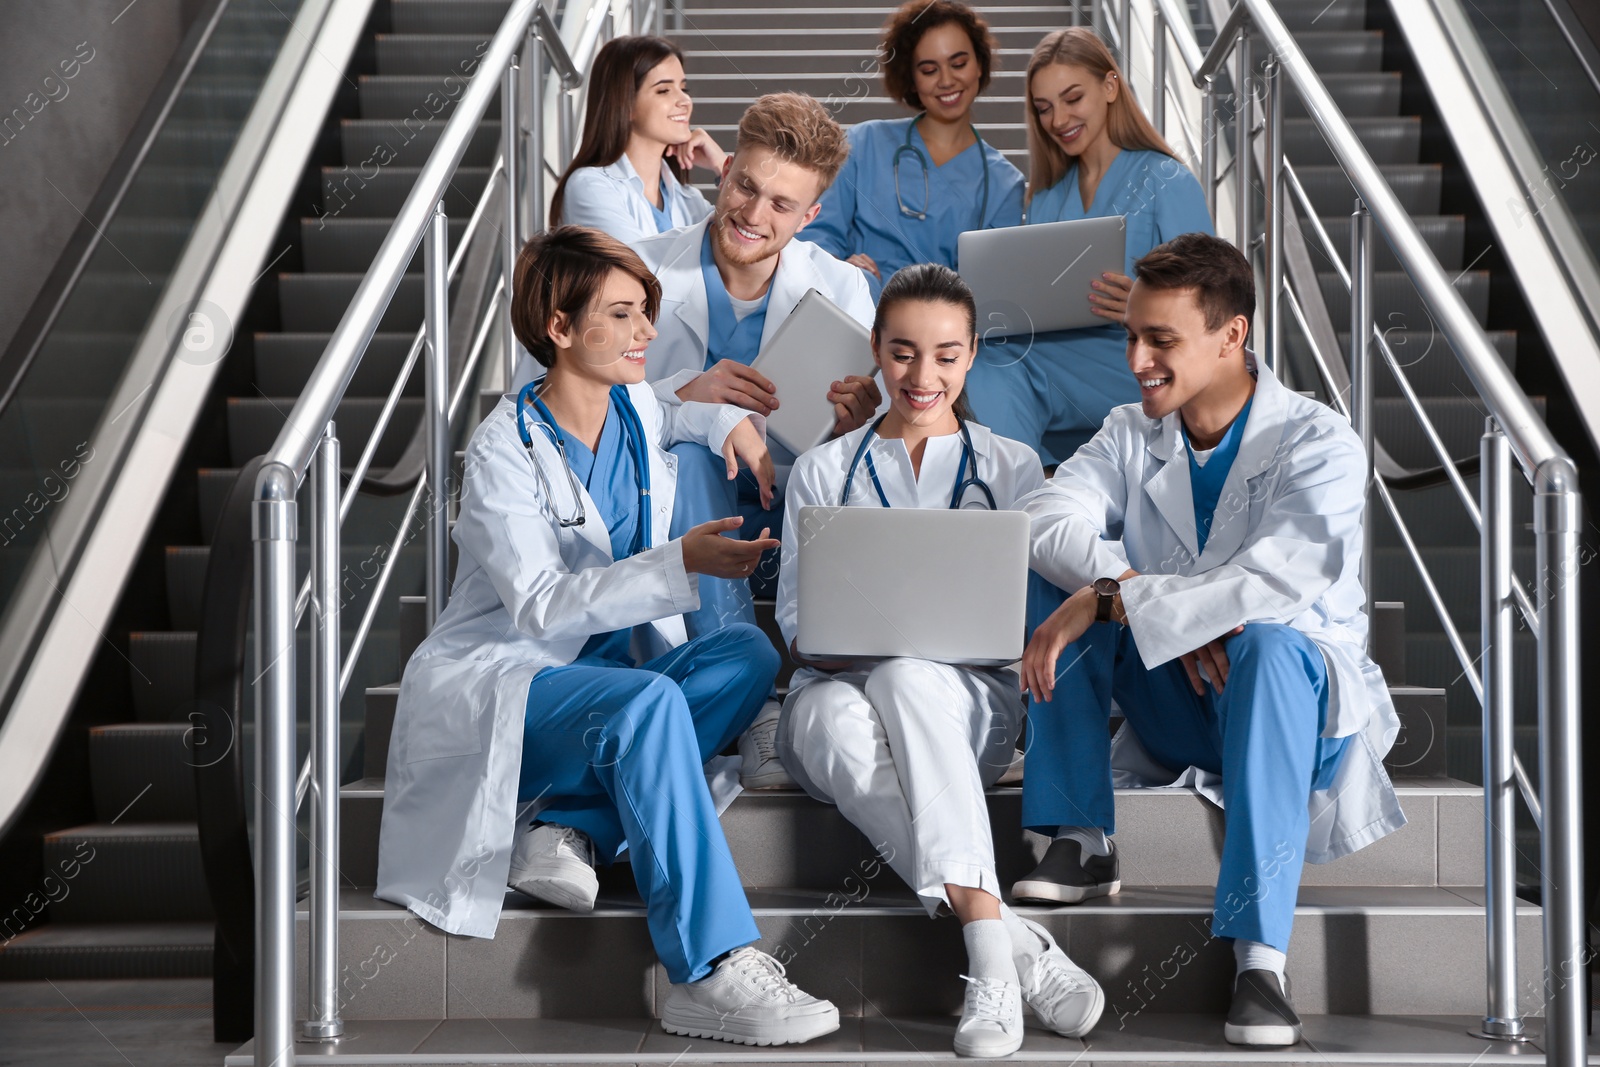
1109,297
854,400
728,382
744,444
706,551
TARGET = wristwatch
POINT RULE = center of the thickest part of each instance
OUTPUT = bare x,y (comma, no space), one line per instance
1105,590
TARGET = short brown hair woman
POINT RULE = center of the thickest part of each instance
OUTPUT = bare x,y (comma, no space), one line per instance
628,177
912,185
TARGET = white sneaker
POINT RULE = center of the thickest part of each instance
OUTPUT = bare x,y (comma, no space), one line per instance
760,767
1063,996
991,1019
555,864
747,1000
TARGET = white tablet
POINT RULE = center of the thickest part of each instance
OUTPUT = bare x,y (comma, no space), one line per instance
1032,279
817,345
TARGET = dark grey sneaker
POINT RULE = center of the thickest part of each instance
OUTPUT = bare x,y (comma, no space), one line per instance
1066,876
1262,1014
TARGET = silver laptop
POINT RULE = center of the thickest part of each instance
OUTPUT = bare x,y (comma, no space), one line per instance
1031,279
817,345
937,584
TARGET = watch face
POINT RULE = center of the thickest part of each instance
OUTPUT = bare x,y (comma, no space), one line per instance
1107,586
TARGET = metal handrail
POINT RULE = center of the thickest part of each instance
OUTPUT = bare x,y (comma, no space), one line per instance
309,434
1513,430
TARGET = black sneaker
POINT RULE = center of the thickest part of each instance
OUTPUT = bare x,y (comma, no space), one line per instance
1262,1014
1066,876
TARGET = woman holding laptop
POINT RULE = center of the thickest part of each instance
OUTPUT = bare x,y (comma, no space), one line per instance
628,176
905,747
912,185
1092,153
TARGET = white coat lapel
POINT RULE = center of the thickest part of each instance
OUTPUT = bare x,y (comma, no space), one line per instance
680,273
1168,488
1258,454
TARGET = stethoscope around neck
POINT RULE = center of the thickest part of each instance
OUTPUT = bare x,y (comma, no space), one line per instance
633,433
916,153
964,481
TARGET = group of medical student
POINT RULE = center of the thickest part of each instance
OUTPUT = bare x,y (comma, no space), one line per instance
1195,554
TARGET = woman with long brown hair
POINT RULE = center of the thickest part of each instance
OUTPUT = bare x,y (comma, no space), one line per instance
629,175
1092,153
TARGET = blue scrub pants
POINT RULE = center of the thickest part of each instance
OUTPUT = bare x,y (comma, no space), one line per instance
705,494
1262,734
618,753
1051,392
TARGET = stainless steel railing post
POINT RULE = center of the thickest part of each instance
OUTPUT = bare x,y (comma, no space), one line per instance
1557,517
534,220
1210,130
274,535
510,245
1273,211
1125,42
1361,255
323,1023
1243,118
1158,70
436,405
1501,1018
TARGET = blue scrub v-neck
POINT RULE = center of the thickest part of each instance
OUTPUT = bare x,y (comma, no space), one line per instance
1205,482
663,214
728,337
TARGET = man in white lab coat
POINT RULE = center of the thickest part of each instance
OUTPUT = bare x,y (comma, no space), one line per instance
1211,539
727,284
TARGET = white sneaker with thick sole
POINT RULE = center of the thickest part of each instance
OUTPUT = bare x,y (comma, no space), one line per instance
555,864
760,767
991,1019
1063,996
748,1000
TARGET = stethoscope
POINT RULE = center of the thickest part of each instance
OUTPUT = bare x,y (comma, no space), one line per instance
633,431
916,153
964,481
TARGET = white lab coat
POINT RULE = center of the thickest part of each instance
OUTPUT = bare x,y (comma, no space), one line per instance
1285,547
611,199
679,354
527,595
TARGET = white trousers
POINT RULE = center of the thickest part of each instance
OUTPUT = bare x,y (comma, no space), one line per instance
905,750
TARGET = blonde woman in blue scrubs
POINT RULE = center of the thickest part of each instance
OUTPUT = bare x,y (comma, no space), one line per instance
1092,153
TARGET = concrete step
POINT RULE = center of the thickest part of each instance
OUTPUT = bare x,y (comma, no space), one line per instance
1146,1039
60,951
783,838
128,872
144,771
872,950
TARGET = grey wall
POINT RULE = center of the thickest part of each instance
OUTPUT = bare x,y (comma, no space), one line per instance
51,166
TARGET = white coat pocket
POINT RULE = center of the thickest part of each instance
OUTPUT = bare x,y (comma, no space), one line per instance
436,729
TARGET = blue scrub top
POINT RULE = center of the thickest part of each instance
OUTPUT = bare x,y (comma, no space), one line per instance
727,337
1086,369
609,476
662,214
1205,481
860,213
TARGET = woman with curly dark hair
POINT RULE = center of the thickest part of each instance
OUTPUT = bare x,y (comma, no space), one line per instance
912,185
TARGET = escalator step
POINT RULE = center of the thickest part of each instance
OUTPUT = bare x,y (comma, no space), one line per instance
314,303
129,872
1342,51
284,362
254,422
1416,186
1430,365
186,580
1457,419
1306,15
1370,94
67,358
143,771
338,245
481,17
409,96
161,675
1445,235
355,192
1397,303
366,142
432,54
1387,140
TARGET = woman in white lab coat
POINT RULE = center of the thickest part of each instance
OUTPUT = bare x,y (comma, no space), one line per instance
629,177
905,747
558,678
